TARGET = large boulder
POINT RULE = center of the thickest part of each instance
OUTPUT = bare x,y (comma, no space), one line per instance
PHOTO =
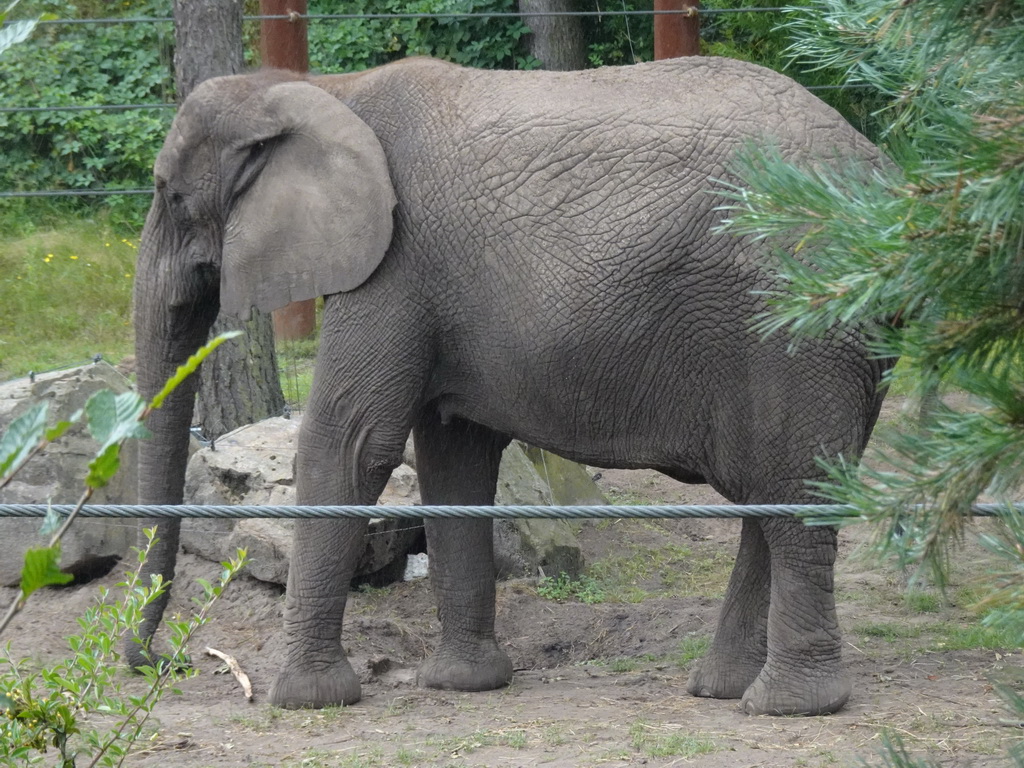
255,465
57,475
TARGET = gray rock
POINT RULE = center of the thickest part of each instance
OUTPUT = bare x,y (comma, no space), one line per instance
255,464
57,475
527,547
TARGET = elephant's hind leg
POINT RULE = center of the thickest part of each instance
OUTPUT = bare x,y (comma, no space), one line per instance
457,463
740,647
803,673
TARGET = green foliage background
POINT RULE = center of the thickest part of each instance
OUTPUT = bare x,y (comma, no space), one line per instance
132,64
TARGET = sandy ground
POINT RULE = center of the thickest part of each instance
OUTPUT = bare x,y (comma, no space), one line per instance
595,685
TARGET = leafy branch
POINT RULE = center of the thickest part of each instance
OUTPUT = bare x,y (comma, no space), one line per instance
111,419
86,684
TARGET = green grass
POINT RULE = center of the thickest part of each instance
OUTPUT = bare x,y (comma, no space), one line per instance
922,602
889,631
690,649
644,738
66,292
584,589
670,570
66,296
963,637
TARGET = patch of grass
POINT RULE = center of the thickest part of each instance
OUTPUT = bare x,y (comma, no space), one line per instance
262,719
516,739
624,664
66,296
654,743
888,631
690,649
620,498
584,589
922,602
671,570
462,745
960,637
555,735
409,756
296,360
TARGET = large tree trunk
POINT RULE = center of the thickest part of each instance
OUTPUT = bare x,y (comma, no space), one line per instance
557,41
239,384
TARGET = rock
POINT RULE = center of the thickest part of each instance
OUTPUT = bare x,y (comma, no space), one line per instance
416,567
255,464
57,475
524,547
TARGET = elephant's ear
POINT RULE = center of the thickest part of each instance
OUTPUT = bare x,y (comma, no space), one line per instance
309,203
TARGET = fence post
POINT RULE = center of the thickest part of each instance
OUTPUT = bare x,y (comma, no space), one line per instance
676,34
284,43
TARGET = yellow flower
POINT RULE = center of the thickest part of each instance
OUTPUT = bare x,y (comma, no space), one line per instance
74,258
127,274
108,245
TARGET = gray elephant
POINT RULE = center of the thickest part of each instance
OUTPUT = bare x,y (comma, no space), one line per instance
511,254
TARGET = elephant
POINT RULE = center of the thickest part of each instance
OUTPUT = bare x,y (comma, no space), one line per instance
532,255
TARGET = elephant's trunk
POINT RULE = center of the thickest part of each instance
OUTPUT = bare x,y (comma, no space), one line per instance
175,305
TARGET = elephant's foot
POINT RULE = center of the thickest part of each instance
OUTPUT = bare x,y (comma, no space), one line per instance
717,677
797,690
316,687
487,668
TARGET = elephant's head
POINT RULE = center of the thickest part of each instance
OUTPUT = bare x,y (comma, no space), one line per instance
268,190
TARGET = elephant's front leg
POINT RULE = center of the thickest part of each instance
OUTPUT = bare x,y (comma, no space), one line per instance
345,463
803,672
316,671
457,463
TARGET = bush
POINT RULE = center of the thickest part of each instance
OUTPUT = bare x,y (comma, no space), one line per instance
86,64
357,44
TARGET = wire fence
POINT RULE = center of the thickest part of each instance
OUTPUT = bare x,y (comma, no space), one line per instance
323,18
444,512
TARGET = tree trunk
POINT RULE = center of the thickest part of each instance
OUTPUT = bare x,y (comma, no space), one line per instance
556,41
238,384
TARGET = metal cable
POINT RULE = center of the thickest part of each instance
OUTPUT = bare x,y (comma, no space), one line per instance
448,15
76,193
440,512
90,108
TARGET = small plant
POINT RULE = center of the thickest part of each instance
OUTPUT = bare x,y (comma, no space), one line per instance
922,602
690,649
584,589
54,706
78,706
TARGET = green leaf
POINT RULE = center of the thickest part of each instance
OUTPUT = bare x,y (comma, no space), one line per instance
104,466
58,429
42,568
190,366
51,522
22,437
7,703
16,32
114,418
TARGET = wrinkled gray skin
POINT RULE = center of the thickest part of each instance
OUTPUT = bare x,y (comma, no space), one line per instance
553,275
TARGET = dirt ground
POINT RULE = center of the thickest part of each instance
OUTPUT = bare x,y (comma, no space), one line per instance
595,685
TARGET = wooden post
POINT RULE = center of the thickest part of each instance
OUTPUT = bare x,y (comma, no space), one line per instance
284,43
676,34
